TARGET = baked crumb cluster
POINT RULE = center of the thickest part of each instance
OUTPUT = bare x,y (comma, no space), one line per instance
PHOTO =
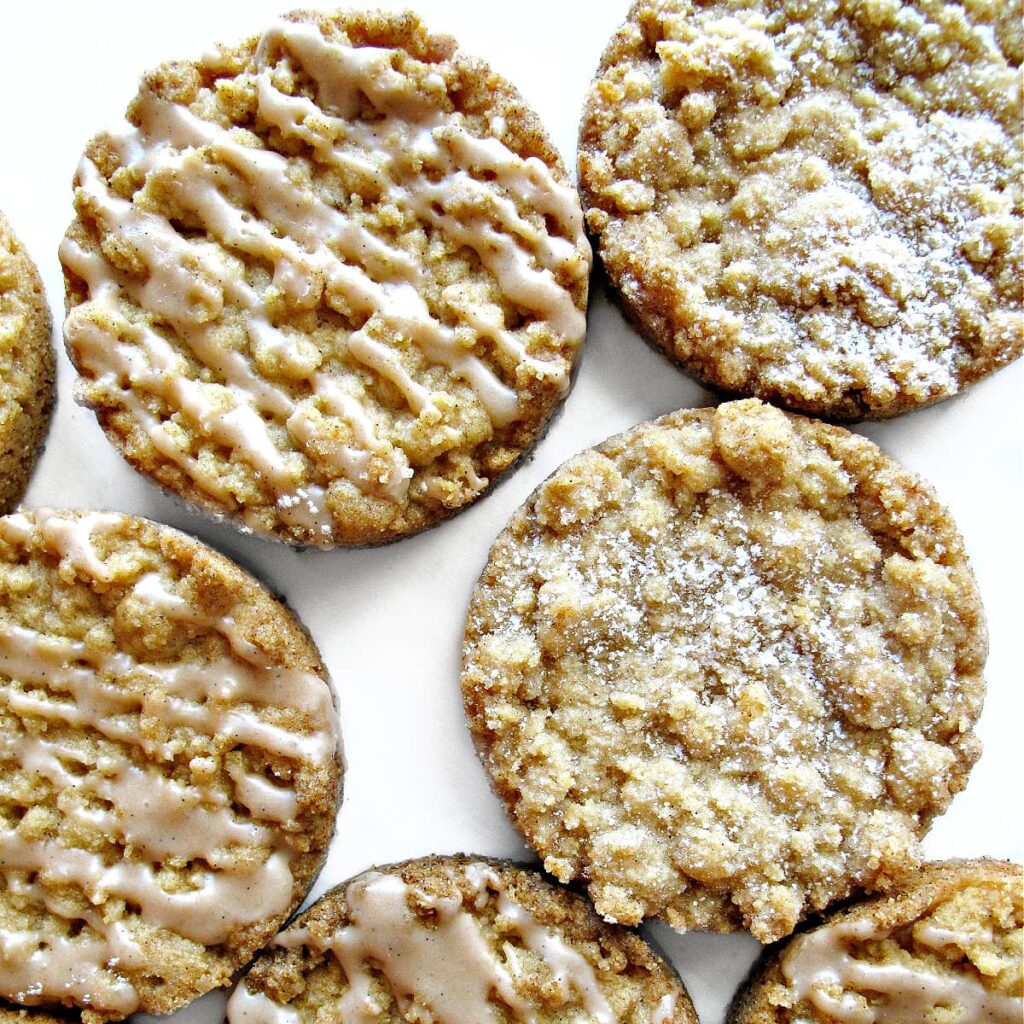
725,669
947,948
453,939
20,1015
26,366
820,204
169,765
331,282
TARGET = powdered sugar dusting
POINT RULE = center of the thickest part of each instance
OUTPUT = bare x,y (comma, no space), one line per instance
710,684
836,224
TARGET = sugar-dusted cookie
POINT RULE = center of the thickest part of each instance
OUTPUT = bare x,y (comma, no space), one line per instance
944,948
330,282
26,366
457,940
725,667
818,204
169,765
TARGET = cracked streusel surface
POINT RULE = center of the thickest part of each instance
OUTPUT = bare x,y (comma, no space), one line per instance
818,204
725,667
330,282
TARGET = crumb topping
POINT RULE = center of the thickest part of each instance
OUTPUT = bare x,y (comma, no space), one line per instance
26,365
331,282
168,765
952,952
818,204
725,668
452,941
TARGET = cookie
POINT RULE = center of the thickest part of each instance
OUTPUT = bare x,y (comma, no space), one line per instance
455,940
330,283
817,204
725,667
169,765
26,367
945,948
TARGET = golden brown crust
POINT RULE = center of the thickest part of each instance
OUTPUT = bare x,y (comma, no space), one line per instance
725,667
195,691
633,979
768,999
26,367
786,215
450,446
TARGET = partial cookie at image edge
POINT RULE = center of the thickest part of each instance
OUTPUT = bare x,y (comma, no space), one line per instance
655,242
199,767
769,996
497,934
26,367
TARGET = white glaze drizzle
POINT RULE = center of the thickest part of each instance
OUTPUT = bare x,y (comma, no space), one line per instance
571,971
54,681
74,969
247,1007
263,798
221,903
318,254
16,528
72,538
449,971
823,958
929,934
666,1009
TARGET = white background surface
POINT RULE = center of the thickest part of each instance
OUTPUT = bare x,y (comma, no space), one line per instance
389,621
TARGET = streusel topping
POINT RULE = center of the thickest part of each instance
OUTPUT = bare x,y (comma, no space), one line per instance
331,282
725,668
820,204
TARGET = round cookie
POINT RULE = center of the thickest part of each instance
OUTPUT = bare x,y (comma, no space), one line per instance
817,204
455,940
330,282
169,765
724,668
945,948
26,366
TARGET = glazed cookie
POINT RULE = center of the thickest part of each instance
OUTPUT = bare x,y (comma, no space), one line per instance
454,940
817,204
724,668
947,948
26,366
169,765
331,282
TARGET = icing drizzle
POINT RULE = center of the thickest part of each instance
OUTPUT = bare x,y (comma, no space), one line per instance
246,201
901,993
240,862
450,970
